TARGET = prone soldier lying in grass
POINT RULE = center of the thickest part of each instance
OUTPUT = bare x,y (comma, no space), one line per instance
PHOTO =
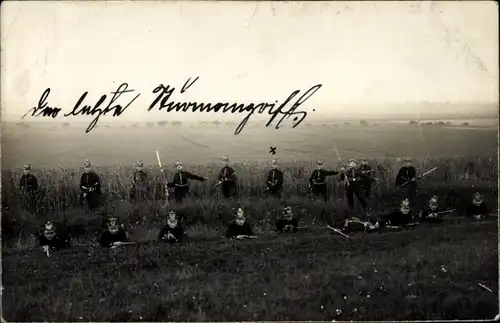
287,223
115,235
173,231
477,208
240,228
51,241
433,213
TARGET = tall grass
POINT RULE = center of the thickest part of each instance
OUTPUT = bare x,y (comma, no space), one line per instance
59,200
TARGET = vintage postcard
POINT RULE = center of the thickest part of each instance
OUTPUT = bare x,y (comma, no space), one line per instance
249,160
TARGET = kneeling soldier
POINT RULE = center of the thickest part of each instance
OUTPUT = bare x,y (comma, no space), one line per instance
51,241
172,231
240,228
115,235
287,223
477,208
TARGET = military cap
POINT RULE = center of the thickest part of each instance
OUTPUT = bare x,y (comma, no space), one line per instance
178,164
287,208
140,164
319,162
225,158
87,163
27,167
274,162
49,227
407,159
477,195
434,199
352,160
405,202
364,159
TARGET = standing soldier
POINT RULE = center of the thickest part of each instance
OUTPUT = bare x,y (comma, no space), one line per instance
317,181
227,179
366,177
29,189
353,184
180,182
91,187
51,241
275,180
139,191
406,180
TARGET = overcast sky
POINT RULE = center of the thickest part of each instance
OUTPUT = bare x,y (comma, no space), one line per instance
371,53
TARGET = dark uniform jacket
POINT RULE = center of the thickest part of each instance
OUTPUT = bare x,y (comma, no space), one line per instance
353,175
140,179
405,174
28,183
396,218
181,179
318,176
284,225
275,179
90,180
473,210
56,243
227,174
366,173
177,232
107,238
234,229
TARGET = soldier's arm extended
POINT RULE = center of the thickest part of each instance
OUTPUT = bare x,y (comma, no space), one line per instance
331,172
194,177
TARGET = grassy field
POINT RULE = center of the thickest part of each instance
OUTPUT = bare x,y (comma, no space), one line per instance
425,273
310,276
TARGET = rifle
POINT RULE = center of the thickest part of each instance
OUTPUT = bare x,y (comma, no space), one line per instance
338,231
163,178
346,182
417,177
244,236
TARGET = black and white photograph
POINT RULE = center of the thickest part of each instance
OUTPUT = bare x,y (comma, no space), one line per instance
238,161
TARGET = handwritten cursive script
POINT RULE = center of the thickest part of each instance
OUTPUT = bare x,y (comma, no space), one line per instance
288,108
165,92
92,110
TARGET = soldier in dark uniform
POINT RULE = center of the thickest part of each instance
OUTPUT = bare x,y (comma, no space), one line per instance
477,208
139,191
398,218
227,179
275,180
432,213
366,177
90,187
405,180
287,223
353,184
29,189
173,231
317,181
239,228
180,182
51,241
115,235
